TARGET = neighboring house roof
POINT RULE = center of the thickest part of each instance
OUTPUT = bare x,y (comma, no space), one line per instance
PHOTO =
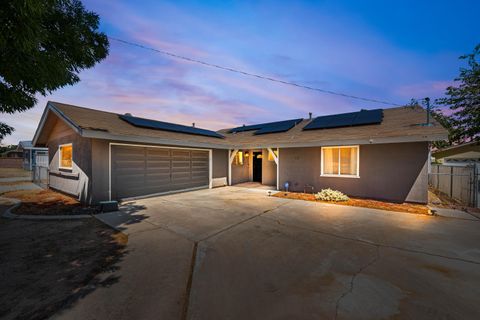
466,150
24,145
399,125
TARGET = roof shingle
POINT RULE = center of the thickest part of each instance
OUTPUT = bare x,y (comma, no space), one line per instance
402,123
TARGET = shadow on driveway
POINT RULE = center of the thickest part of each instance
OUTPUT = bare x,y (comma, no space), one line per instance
48,265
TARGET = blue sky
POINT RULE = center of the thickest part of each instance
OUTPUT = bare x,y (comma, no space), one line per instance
386,50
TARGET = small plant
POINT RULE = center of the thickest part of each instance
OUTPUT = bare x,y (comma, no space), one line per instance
331,195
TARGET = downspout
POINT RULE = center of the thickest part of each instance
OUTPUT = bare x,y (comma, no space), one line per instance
278,169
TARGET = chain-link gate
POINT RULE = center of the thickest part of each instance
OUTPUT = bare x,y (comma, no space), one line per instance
40,169
461,183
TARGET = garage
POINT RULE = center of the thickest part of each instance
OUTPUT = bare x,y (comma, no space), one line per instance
140,171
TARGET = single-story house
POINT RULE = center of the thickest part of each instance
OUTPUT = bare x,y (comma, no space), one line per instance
29,153
97,155
462,154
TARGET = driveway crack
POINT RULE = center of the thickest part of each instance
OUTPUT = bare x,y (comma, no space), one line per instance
352,280
190,280
240,222
193,261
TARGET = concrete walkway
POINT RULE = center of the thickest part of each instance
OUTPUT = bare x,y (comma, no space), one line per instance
453,213
235,253
16,179
16,186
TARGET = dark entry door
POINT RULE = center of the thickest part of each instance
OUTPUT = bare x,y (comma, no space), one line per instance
257,167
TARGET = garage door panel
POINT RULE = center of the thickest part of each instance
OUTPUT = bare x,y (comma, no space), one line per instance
129,174
180,176
158,165
158,152
138,171
139,155
129,163
155,171
160,179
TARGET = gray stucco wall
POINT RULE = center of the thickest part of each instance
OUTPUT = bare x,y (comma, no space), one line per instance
395,172
241,173
76,182
219,163
100,176
269,170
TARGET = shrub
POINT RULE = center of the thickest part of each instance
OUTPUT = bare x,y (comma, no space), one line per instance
331,195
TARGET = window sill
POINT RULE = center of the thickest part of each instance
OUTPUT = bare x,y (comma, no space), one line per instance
64,174
339,176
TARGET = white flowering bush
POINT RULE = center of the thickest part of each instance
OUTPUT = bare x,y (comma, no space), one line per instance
330,195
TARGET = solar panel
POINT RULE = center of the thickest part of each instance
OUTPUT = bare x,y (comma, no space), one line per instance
260,126
167,126
269,127
247,128
368,117
282,127
359,118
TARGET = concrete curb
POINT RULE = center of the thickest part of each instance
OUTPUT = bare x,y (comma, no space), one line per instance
9,215
110,225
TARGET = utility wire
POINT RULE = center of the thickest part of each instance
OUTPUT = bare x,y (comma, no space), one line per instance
253,74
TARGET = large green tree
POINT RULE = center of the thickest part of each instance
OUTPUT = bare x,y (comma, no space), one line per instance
44,44
464,99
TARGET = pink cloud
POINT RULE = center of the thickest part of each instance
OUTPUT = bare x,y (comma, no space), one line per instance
432,89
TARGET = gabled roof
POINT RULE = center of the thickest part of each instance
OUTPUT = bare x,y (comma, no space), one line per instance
473,146
403,124
25,144
399,125
92,123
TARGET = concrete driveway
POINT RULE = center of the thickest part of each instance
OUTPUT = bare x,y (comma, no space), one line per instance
235,253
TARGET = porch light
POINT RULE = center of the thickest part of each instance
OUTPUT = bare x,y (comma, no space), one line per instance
240,157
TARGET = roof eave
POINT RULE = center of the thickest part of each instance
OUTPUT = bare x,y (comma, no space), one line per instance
340,142
51,108
94,134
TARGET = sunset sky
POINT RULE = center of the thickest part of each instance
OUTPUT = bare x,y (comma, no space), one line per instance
385,50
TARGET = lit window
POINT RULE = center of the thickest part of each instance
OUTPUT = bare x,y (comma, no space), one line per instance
340,161
65,151
239,158
270,156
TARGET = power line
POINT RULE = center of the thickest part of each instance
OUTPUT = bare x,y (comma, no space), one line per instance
174,55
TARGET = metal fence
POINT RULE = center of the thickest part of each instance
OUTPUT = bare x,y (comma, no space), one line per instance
461,183
40,170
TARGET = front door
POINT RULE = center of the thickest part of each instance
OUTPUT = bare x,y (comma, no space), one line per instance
257,167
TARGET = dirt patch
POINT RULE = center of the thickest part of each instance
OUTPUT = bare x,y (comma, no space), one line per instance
46,266
440,199
364,203
14,173
47,202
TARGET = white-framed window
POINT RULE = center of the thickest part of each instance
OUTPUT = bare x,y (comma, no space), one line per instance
65,152
340,161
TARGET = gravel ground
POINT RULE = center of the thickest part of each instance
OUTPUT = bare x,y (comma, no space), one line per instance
48,202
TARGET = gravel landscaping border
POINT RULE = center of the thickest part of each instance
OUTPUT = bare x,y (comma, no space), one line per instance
10,215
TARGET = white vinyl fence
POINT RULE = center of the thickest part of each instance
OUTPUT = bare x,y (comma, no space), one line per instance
461,183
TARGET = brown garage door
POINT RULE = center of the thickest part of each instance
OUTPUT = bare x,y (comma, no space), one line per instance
139,171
